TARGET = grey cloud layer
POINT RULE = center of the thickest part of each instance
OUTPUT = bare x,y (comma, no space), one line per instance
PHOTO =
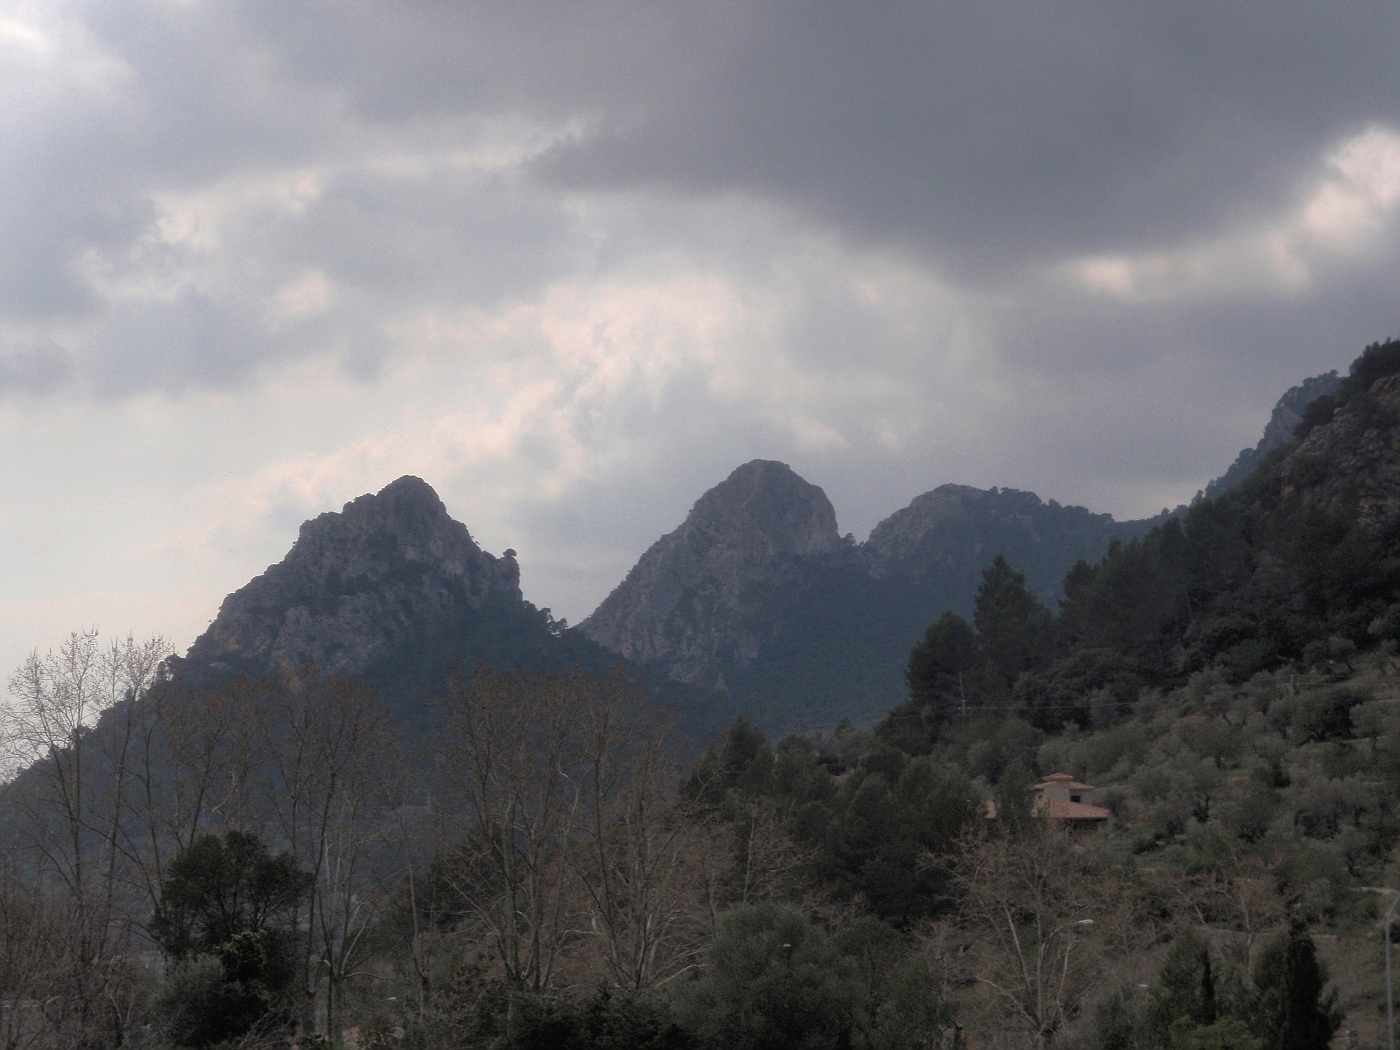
33,369
1005,134
986,138
984,133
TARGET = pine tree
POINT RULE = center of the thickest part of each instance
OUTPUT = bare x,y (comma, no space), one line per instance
1013,625
943,670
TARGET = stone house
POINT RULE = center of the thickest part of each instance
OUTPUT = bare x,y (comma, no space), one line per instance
1062,799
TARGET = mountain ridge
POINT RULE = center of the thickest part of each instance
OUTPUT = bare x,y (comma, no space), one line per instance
393,590
1287,414
755,595
783,642
816,627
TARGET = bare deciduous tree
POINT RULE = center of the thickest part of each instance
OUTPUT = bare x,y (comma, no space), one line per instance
69,807
34,964
1046,919
639,856
326,751
1236,902
513,769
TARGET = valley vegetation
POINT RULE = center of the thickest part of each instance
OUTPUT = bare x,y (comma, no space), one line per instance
266,860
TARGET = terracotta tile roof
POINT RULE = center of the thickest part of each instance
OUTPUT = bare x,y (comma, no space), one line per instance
1059,809
1063,780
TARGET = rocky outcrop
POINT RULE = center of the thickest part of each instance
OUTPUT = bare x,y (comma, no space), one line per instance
1353,459
699,599
1287,414
950,534
898,537
357,585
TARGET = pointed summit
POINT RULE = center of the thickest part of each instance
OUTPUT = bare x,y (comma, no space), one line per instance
692,601
356,586
765,510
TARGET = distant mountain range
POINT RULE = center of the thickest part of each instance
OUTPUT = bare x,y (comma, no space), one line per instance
754,604
757,595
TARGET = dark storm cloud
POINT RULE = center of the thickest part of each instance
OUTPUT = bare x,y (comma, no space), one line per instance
988,135
1001,134
985,137
446,237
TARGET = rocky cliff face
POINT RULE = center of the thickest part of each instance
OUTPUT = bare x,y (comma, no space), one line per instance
1353,458
357,585
698,600
1287,414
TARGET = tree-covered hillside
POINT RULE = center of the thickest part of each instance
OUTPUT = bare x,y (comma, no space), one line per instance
1298,565
842,635
757,595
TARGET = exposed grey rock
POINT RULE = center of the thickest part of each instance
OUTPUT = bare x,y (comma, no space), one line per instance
898,536
1287,414
757,593
356,584
696,599
1355,456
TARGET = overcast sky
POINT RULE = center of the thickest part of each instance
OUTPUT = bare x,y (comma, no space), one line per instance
574,263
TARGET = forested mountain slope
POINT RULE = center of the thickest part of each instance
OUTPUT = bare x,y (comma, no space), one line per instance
757,594
393,590
1297,565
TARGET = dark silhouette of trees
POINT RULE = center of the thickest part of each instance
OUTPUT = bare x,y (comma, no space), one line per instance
944,674
1012,626
221,886
1185,994
1290,1008
226,921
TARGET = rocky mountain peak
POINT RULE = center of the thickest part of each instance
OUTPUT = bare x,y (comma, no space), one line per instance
765,510
689,601
356,584
404,522
403,505
895,538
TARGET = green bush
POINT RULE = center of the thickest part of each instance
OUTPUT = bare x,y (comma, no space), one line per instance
773,981
202,1004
